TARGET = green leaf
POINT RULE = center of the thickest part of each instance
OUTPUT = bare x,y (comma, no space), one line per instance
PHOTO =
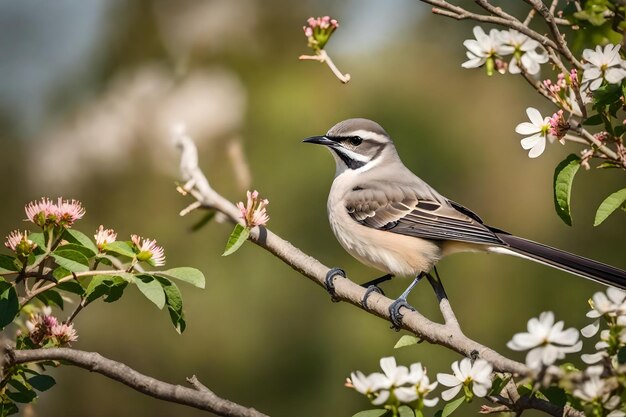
407,340
621,356
121,248
609,205
22,396
152,289
8,408
174,302
7,264
594,120
101,285
605,165
208,216
563,179
72,287
78,248
498,384
79,238
406,411
191,275
39,239
237,238
51,297
418,413
9,305
41,382
71,260
555,395
379,412
452,406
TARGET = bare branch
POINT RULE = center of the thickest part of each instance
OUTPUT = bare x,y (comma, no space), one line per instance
199,397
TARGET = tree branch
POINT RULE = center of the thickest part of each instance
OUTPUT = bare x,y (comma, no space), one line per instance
449,336
199,396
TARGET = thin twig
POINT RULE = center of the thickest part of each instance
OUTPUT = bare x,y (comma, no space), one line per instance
203,399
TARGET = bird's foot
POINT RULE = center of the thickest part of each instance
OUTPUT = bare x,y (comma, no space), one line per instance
329,283
395,315
370,289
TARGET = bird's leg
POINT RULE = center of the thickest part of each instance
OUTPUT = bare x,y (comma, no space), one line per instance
437,285
329,282
394,308
372,286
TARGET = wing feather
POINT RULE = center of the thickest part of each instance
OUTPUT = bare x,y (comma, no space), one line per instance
403,209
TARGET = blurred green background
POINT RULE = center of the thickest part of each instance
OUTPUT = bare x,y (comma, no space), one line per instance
88,91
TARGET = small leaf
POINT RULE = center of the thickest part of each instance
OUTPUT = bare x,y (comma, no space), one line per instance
71,260
7,264
609,205
105,285
72,287
452,406
563,179
406,411
555,395
237,238
51,297
79,238
621,356
39,239
78,248
605,165
406,340
22,396
9,305
208,216
594,120
187,274
121,248
152,289
379,412
41,382
174,301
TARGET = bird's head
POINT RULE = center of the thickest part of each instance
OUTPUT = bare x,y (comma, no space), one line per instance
356,144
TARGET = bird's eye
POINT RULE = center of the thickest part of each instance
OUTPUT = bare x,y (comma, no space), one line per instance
355,140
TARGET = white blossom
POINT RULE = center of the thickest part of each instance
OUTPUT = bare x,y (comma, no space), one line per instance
546,340
395,384
476,375
536,131
525,50
594,388
483,47
612,304
602,65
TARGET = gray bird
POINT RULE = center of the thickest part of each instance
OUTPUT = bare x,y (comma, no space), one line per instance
390,219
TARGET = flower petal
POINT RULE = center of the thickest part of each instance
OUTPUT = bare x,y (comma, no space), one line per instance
449,394
534,116
526,128
538,148
448,380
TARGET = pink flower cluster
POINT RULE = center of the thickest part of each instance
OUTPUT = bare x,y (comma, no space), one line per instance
562,82
558,125
19,243
148,250
254,212
104,237
44,327
45,212
319,29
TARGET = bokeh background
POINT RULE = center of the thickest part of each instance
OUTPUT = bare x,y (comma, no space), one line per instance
88,92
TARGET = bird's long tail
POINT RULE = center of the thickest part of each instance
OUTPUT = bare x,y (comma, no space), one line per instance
565,261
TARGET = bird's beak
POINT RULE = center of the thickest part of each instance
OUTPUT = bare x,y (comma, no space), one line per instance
320,140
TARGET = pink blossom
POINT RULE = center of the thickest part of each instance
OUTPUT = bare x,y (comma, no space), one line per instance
254,212
104,237
558,125
19,243
148,250
319,30
64,333
41,212
69,211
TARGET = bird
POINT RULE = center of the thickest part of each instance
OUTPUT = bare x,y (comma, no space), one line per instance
389,219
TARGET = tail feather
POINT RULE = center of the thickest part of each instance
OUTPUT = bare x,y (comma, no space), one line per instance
565,261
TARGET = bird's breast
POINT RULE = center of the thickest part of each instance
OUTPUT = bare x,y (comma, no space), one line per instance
386,251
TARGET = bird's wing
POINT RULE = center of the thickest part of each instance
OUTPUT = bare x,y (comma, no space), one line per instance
416,210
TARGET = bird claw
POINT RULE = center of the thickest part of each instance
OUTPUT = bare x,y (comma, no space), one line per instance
370,289
329,282
394,313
